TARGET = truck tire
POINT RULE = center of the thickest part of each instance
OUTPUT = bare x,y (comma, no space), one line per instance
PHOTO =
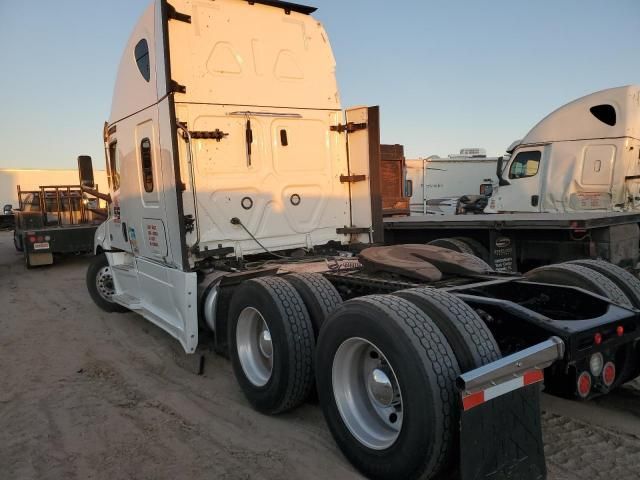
100,284
463,245
624,280
579,276
478,249
17,242
27,263
455,244
385,375
471,340
318,294
271,344
630,285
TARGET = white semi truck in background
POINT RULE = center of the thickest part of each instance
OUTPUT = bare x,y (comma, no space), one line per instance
584,156
568,190
244,201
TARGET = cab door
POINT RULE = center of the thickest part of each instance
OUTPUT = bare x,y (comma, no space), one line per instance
147,236
525,178
117,228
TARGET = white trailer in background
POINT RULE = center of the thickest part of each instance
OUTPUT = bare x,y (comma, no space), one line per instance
438,183
237,206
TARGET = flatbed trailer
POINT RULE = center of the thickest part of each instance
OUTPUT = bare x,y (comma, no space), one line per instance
521,241
55,219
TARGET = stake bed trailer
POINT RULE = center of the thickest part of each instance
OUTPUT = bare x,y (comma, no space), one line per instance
52,220
238,205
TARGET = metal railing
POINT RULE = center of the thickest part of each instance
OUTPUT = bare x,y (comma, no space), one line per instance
66,198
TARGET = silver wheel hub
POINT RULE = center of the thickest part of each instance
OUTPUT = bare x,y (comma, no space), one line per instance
104,283
266,348
255,349
380,388
367,393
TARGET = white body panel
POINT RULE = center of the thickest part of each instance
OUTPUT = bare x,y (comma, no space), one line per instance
587,162
264,79
445,180
243,63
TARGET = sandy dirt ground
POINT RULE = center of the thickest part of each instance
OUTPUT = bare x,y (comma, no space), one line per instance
90,395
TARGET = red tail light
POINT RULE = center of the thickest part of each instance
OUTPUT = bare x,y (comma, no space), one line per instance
584,385
41,239
620,330
597,338
32,239
608,373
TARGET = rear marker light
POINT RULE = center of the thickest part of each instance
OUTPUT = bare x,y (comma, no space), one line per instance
608,374
597,338
595,364
32,239
620,330
584,385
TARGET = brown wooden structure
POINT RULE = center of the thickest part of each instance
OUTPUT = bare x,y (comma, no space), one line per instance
392,167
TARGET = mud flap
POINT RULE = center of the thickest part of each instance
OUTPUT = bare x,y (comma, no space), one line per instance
501,438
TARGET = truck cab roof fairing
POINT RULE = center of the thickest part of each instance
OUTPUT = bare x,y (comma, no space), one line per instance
132,91
589,118
296,65
236,53
286,6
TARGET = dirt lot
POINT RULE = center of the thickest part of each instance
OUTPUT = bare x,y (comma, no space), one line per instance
90,395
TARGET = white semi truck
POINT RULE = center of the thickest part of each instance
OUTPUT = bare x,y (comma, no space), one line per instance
243,200
568,190
584,156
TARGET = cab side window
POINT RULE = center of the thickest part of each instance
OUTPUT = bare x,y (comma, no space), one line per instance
141,53
526,164
147,165
114,165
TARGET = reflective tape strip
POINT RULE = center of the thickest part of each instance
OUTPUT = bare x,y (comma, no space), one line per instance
470,400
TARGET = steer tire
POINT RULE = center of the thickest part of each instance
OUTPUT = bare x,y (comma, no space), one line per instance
282,309
17,242
478,249
425,368
98,263
624,280
318,294
579,276
471,340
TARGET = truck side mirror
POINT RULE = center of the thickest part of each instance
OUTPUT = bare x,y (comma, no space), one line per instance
85,171
499,168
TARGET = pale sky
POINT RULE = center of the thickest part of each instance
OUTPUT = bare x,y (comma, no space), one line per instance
446,75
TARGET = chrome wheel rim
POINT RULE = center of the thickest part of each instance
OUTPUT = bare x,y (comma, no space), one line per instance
255,348
367,393
104,283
